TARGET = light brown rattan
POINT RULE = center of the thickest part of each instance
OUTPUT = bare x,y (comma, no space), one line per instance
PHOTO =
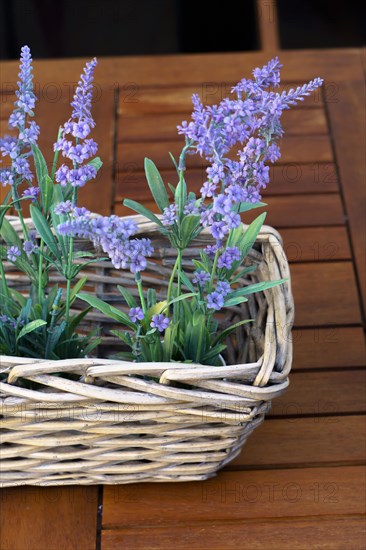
121,422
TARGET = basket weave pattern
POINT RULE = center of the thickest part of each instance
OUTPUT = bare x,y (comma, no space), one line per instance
105,421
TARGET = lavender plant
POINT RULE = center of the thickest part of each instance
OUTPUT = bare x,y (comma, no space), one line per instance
238,138
40,324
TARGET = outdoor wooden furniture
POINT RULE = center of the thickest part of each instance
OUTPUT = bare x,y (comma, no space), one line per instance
299,481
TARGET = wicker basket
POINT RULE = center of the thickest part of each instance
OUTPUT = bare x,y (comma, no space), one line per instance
121,422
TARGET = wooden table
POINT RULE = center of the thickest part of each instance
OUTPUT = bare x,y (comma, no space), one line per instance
299,482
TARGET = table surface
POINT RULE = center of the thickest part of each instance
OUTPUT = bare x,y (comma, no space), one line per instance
299,481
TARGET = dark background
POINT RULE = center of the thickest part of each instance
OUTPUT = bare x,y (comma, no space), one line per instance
74,28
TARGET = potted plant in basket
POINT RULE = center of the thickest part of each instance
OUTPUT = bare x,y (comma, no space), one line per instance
198,303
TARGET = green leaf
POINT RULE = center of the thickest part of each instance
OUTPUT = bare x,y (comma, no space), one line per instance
180,197
246,206
170,337
18,297
129,299
3,211
30,327
245,271
9,235
214,352
106,309
137,207
44,181
235,301
173,161
244,240
229,330
156,185
44,231
259,287
151,297
189,227
179,299
187,282
125,337
76,320
96,163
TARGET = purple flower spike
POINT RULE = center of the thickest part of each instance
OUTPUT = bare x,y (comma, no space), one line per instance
160,322
201,277
136,314
18,148
31,193
13,253
169,215
63,208
78,127
215,300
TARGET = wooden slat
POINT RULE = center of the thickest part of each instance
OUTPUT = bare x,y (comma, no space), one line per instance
284,179
349,143
282,211
335,533
267,24
40,518
276,443
135,99
333,347
320,393
325,294
312,244
294,149
167,70
237,496
163,126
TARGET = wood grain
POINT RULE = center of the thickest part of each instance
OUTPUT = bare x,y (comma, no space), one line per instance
294,178
48,518
163,126
313,244
325,293
323,393
282,211
332,347
294,149
275,443
238,496
334,533
156,71
135,98
345,115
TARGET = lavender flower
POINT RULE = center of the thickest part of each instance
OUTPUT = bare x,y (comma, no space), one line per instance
208,189
112,234
79,127
215,300
29,247
201,277
6,177
211,250
252,119
63,208
191,208
31,193
136,314
13,253
223,287
230,255
18,149
160,322
169,215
